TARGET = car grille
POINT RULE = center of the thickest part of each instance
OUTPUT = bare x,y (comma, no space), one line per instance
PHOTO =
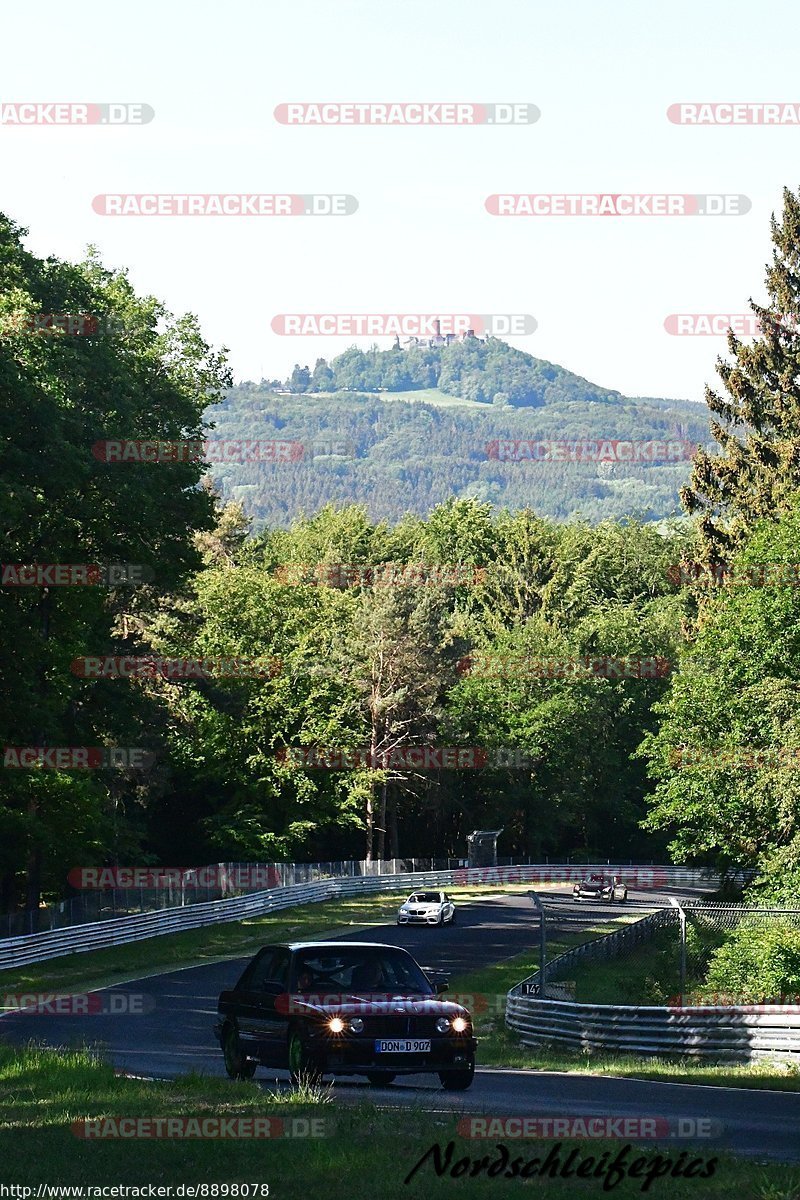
400,1026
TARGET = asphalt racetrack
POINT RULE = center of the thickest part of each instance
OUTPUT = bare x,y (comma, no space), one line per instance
175,1036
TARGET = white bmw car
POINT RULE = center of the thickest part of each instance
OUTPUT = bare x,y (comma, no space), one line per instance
427,908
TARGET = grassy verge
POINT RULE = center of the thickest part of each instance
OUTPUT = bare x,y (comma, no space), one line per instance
498,1047
646,974
365,1152
233,939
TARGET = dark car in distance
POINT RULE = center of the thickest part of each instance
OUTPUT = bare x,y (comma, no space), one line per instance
343,1008
600,887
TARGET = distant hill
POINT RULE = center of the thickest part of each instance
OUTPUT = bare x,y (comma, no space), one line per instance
475,369
397,453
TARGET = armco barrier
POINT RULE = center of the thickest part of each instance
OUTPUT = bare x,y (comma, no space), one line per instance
77,939
716,1033
731,1032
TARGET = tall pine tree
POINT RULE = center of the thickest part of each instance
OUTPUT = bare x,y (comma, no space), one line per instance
756,420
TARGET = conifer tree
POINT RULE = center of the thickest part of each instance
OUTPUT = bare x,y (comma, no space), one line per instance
757,419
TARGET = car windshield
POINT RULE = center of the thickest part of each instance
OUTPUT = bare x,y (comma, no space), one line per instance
424,898
360,970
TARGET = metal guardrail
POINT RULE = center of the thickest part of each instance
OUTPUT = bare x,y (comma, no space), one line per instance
154,888
98,935
729,1032
717,1033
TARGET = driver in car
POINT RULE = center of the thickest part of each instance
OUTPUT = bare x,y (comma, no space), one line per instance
369,976
305,979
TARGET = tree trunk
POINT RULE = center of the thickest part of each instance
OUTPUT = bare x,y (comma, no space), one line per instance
382,823
394,841
370,822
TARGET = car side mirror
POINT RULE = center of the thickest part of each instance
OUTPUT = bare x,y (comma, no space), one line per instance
439,980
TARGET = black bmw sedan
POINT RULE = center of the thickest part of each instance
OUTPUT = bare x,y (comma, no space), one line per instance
343,1008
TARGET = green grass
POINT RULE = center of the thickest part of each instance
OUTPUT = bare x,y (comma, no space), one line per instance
646,974
416,396
365,1154
232,939
649,973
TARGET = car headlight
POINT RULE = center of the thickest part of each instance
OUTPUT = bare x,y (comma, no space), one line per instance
336,1025
460,1024
442,1025
356,1025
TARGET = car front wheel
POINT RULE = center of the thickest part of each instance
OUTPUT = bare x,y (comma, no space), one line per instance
458,1080
301,1069
236,1063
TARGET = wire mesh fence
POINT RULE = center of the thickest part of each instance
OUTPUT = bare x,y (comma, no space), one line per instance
687,954
149,889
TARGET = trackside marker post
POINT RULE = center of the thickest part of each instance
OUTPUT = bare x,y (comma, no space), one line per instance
542,945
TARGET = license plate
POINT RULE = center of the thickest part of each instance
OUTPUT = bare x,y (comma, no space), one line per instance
403,1046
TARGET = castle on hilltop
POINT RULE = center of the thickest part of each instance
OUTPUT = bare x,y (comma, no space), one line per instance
438,339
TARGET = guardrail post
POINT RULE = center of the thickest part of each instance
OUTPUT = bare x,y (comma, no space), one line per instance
682,917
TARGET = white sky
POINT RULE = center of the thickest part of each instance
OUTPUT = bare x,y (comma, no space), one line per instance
603,75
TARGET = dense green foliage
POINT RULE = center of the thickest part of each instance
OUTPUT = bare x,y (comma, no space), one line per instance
725,754
145,375
473,369
402,456
366,666
759,963
379,666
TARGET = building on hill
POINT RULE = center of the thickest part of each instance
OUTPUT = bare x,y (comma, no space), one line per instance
438,339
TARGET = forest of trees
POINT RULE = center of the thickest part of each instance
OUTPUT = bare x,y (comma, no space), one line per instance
401,456
362,660
487,371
